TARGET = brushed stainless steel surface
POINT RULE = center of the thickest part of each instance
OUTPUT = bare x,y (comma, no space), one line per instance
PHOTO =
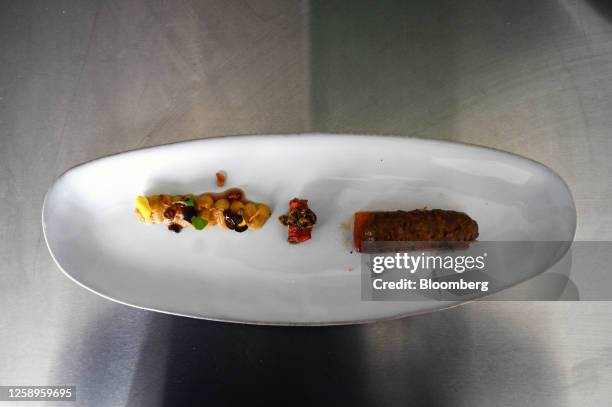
81,79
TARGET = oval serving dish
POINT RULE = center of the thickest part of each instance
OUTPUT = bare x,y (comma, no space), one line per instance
256,276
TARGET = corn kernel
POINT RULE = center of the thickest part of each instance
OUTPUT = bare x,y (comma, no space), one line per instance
143,207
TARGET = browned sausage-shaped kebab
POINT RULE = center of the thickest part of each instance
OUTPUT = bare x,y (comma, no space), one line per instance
421,225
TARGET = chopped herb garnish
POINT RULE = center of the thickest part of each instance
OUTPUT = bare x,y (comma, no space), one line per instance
198,222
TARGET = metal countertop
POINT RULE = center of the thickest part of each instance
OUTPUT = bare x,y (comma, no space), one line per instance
83,79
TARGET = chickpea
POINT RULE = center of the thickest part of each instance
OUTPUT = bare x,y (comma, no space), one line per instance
249,210
222,204
209,216
166,199
261,216
157,208
235,206
205,201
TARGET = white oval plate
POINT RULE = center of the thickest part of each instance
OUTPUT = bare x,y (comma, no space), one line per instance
257,277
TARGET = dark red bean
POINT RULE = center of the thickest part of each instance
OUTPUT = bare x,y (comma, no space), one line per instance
188,212
169,213
176,228
230,220
233,220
